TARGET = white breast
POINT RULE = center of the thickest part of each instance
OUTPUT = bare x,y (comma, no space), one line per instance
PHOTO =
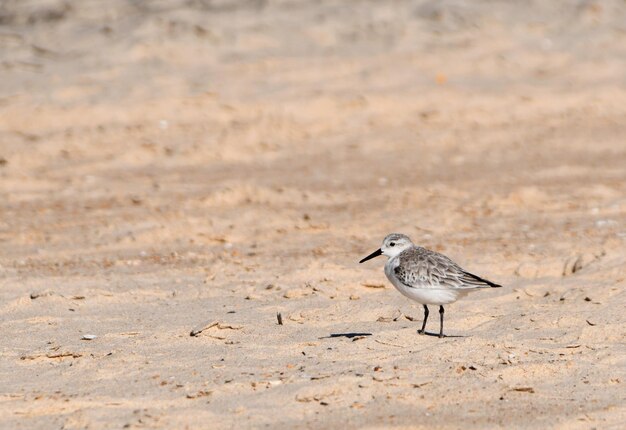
425,294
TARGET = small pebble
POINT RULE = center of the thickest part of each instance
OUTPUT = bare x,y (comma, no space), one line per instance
89,337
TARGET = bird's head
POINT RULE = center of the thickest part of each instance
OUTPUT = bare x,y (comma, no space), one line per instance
392,245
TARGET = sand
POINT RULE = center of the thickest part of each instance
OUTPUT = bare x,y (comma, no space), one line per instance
172,165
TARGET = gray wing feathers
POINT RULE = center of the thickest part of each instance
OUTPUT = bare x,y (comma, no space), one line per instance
418,267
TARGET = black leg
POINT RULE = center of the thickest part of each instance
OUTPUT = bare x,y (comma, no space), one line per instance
423,330
441,311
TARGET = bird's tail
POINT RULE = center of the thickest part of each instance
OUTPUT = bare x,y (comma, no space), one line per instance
483,281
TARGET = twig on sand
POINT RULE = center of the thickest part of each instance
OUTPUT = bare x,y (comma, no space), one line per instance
523,389
201,327
207,325
373,285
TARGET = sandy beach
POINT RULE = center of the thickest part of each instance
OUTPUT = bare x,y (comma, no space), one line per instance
169,166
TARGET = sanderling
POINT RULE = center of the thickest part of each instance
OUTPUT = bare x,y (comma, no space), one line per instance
426,276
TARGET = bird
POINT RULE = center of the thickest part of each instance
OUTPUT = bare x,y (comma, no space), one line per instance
426,276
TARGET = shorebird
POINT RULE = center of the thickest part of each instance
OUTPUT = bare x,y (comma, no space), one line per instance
426,276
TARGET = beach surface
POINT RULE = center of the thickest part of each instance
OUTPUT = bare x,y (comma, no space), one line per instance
178,166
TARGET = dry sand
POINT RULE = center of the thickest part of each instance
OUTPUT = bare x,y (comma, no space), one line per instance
169,163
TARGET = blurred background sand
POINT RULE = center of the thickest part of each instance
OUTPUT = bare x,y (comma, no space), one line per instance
170,164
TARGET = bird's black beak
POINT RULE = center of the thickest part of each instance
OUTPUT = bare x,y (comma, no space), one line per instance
372,255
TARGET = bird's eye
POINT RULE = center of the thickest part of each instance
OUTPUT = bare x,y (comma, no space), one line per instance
392,244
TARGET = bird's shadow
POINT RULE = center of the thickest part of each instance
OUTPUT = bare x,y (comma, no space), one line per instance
351,335
348,335
427,333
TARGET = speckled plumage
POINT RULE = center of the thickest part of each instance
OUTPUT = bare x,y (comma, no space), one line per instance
418,267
